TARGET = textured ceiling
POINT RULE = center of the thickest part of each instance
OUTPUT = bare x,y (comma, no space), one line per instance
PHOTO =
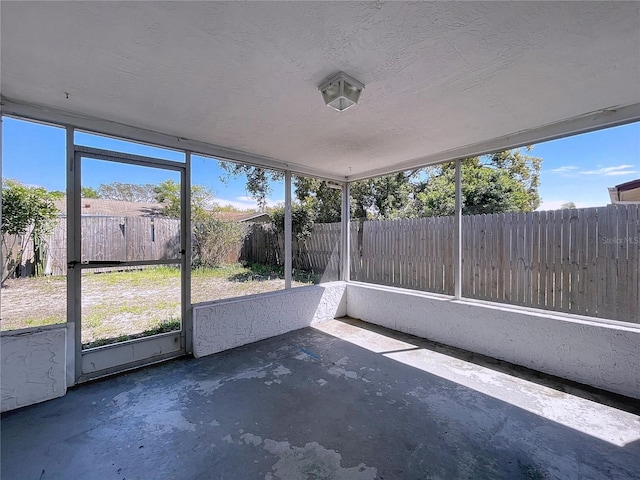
438,76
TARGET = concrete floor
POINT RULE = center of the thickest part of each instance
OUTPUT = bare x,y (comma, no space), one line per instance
341,401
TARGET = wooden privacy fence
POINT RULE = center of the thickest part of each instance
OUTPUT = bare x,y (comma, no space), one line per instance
583,261
412,253
320,253
107,238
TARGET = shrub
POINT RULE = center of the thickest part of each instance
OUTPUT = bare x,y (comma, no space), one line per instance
29,212
214,239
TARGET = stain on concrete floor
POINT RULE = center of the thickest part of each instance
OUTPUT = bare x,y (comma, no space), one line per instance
339,401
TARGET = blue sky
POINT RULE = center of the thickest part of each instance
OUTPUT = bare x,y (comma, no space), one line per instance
576,169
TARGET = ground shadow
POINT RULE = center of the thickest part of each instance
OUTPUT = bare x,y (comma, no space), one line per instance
260,273
308,404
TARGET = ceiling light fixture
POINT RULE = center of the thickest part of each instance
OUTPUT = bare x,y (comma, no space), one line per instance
341,91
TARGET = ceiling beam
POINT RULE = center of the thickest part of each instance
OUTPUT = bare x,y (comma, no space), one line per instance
114,129
600,119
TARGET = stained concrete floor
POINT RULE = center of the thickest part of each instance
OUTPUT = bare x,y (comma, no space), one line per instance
340,401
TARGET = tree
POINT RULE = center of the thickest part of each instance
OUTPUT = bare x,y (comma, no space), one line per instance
302,220
212,238
322,203
168,194
89,192
499,183
258,179
127,192
29,212
502,182
568,206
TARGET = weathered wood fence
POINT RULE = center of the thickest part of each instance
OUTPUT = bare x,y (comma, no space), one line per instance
583,261
320,253
106,238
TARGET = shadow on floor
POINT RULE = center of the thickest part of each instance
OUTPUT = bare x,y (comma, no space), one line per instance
312,405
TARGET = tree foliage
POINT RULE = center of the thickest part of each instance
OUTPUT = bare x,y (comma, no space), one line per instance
258,179
302,220
89,192
502,182
127,192
499,183
29,212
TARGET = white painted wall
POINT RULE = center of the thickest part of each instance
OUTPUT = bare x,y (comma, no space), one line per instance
225,324
33,365
606,356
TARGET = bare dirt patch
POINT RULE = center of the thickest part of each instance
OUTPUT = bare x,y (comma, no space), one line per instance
120,304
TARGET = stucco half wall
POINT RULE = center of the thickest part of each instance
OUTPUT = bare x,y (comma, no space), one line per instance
226,324
603,355
33,365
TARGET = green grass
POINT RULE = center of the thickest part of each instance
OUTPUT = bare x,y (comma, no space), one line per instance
119,305
166,274
135,278
41,321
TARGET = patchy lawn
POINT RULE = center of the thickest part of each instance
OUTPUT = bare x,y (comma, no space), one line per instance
117,306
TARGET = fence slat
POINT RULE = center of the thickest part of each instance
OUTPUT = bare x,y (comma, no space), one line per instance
583,261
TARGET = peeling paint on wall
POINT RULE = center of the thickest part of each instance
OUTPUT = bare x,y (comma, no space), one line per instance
33,366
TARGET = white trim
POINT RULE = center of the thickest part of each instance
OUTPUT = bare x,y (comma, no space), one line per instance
457,262
288,227
141,135
600,119
345,233
74,255
187,238
589,122
506,307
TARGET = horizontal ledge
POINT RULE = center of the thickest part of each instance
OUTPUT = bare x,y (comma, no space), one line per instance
505,307
99,126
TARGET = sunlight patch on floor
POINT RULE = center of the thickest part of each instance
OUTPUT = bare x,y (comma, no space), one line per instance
609,424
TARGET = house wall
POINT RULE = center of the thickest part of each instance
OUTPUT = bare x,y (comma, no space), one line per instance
225,324
33,365
606,356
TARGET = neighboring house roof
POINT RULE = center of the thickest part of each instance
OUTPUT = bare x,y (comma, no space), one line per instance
118,208
114,208
258,217
628,192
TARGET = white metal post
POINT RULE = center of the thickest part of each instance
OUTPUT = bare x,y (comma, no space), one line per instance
287,230
74,252
1,158
346,233
187,311
458,233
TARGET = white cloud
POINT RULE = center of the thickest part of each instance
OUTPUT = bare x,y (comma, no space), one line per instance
245,202
612,171
565,169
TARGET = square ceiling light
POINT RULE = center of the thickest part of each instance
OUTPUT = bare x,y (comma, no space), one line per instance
341,91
